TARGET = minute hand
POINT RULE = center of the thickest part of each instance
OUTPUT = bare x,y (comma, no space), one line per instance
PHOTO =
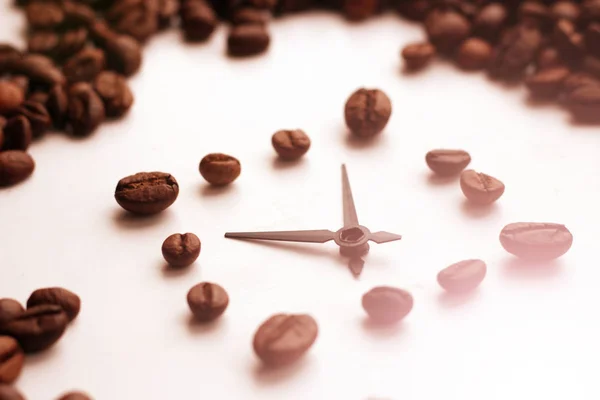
350,217
310,236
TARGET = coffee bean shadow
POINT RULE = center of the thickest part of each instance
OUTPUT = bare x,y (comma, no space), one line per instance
355,142
266,375
127,220
451,300
382,331
197,327
436,180
517,269
279,163
41,357
477,211
208,190
170,272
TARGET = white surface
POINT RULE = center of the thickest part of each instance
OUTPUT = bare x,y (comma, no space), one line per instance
525,334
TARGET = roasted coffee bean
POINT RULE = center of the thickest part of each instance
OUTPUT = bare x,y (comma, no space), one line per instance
17,133
285,338
290,144
21,81
15,167
415,10
547,83
248,16
592,39
58,106
292,6
445,162
39,97
44,15
247,40
38,117
367,112
590,11
71,42
77,14
10,393
43,42
584,103
9,309
446,29
123,55
167,11
474,54
8,55
479,188
147,192
181,250
565,10
536,240
387,305
39,69
11,97
2,124
11,359
462,276
418,55
86,110
578,80
358,10
198,20
548,58
490,21
84,66
114,92
136,18
533,12
75,396
516,50
220,169
37,328
569,42
591,65
67,300
207,301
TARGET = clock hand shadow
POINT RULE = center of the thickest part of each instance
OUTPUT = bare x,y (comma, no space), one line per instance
305,249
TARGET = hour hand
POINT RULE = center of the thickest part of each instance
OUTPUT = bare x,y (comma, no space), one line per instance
310,236
384,237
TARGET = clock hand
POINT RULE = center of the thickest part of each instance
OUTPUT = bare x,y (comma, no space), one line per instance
384,237
350,217
310,236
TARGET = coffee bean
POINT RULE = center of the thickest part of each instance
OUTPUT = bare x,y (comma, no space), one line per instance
516,50
84,66
290,144
474,54
136,18
38,328
58,106
367,112
248,16
445,162
547,83
75,396
114,92
490,21
446,29
11,97
584,103
17,133
247,40
167,11
578,80
86,110
67,300
548,58
38,97
565,10
43,42
44,15
535,13
418,55
8,55
592,39
15,167
220,169
284,338
387,305
71,43
37,115
123,55
9,309
21,81
415,10
11,359
536,240
2,124
198,20
462,276
293,6
39,69
479,188
358,10
77,14
207,301
147,192
10,393
590,11
181,250
569,42
591,65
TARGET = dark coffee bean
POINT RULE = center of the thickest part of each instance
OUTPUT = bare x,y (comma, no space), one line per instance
358,10
590,11
591,65
584,103
58,106
446,29
247,40
386,305
9,309
17,133
490,21
181,250
290,144
21,81
11,97
198,20
43,42
75,396
39,69
114,92
15,167
462,276
480,188
569,42
285,338
536,240
38,117
39,97
101,33
136,18
11,359
548,58
123,55
8,55
167,11
292,6
592,39
2,124
474,54
415,10
220,169
147,192
547,83
77,14
578,80
67,300
565,10
536,13
207,301
516,50
86,110
418,55
10,393
44,15
38,328
84,66
367,112
447,162
248,16
71,42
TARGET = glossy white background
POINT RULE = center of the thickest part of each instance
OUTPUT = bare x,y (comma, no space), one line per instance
526,333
